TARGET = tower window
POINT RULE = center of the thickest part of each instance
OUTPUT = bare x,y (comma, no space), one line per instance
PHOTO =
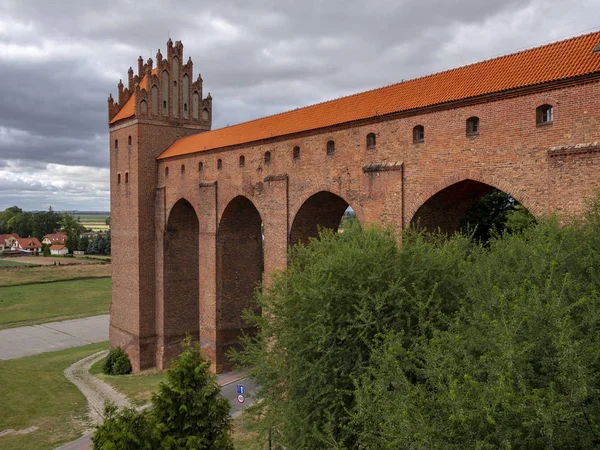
200,166
267,158
242,161
129,141
219,164
185,106
164,104
473,126
418,134
371,141
296,154
118,178
544,114
166,171
182,169
126,177
116,144
330,148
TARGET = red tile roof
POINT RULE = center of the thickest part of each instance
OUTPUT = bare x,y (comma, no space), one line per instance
29,243
557,61
56,237
57,247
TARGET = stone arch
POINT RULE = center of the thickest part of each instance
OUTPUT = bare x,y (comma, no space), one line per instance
239,270
181,314
323,209
445,202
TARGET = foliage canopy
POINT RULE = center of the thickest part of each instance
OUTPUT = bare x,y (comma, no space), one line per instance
440,343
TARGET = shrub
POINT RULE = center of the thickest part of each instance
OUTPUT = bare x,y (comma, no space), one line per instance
117,362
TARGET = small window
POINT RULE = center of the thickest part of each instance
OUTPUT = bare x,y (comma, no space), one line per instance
472,126
371,141
219,164
174,83
200,166
166,171
118,178
182,169
164,104
129,141
185,106
418,133
544,114
126,177
330,148
116,144
296,154
267,158
242,161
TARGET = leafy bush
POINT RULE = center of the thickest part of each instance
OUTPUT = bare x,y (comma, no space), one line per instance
117,362
188,412
442,343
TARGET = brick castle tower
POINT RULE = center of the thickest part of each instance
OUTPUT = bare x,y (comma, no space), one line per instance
159,105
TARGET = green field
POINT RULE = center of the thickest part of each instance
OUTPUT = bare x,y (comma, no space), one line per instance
47,302
97,222
35,392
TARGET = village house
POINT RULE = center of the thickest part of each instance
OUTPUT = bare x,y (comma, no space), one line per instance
7,241
54,238
58,250
29,245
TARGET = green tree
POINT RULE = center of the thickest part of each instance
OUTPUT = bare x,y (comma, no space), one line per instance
72,227
188,412
320,317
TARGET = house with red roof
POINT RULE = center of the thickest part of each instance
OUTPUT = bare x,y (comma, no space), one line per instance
7,241
54,238
29,245
58,250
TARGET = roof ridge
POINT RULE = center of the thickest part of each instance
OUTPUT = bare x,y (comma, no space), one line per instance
421,77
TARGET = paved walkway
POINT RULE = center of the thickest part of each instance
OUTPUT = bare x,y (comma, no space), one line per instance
52,336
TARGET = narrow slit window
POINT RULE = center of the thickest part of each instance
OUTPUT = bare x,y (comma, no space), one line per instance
219,164
116,144
126,177
200,166
182,169
242,161
267,158
330,148
296,153
118,178
166,171
371,141
129,141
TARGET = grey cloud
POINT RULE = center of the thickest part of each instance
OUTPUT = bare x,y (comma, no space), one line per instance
60,60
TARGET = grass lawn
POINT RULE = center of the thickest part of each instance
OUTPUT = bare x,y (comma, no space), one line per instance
34,392
137,387
13,276
11,263
47,302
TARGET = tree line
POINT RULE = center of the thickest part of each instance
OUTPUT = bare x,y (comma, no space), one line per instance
38,224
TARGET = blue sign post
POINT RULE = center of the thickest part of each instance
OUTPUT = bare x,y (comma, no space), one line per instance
240,389
240,398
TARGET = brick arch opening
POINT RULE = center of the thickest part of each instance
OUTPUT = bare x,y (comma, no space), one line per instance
445,208
181,281
322,210
239,270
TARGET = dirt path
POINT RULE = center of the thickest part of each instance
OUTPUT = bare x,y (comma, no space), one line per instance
95,390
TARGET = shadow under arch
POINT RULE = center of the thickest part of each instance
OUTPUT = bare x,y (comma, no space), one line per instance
239,269
321,210
181,315
445,208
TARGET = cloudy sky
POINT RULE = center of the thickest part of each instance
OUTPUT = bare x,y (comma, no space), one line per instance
60,59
